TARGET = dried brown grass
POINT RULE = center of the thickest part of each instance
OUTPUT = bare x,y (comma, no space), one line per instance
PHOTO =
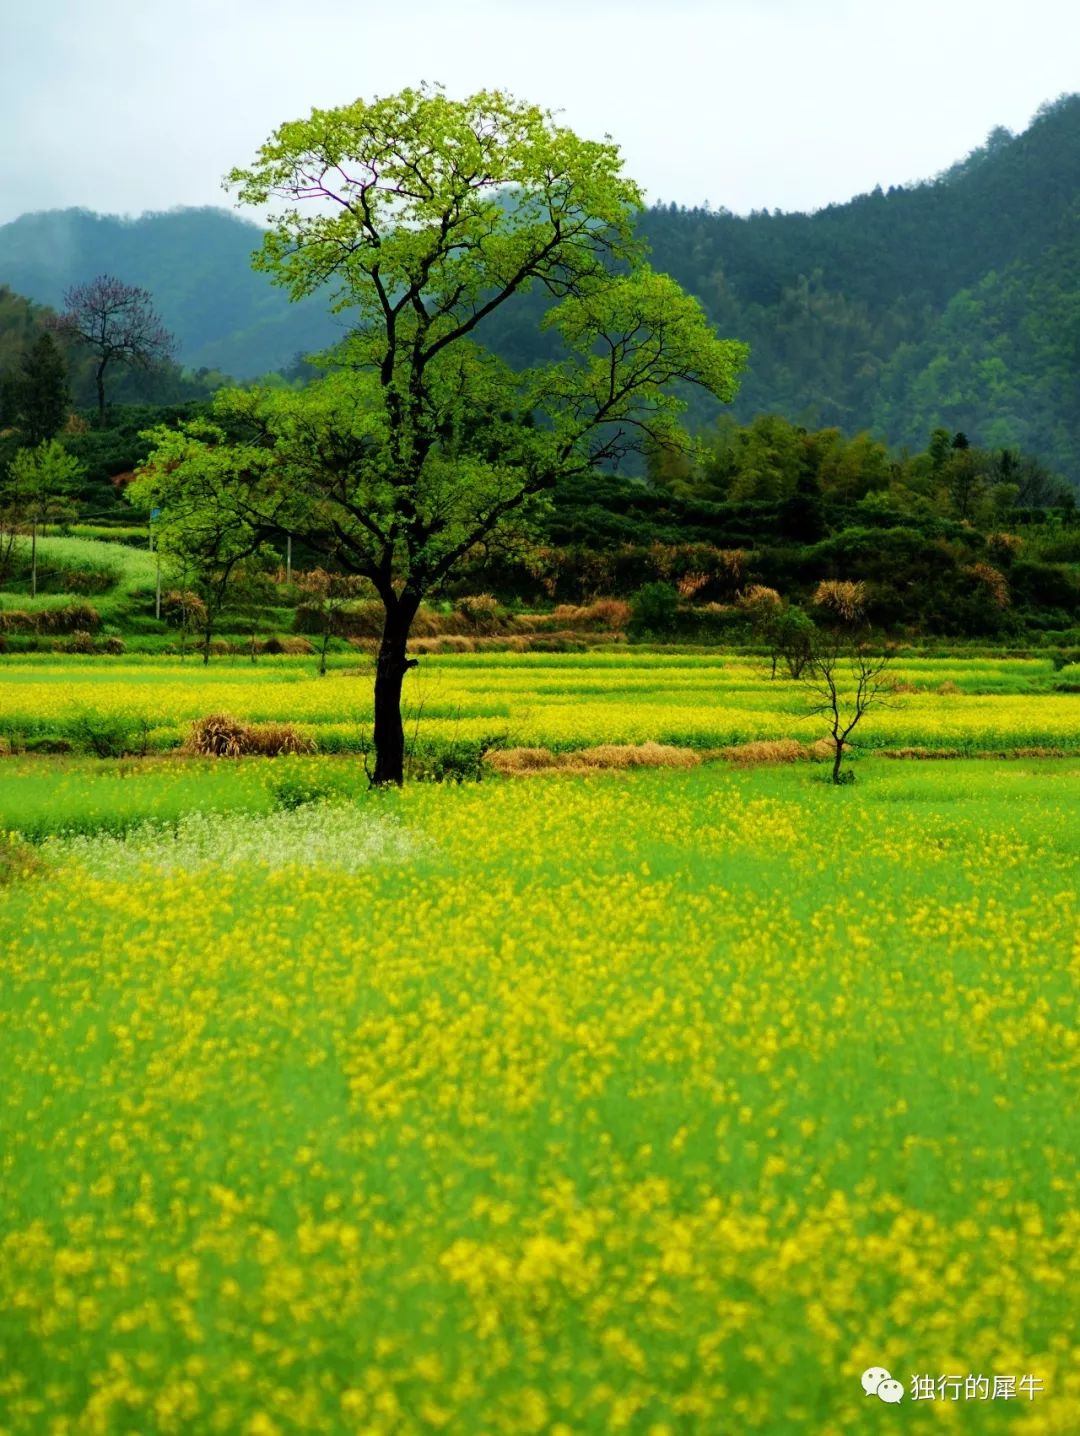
921,754
521,760
771,750
604,757
219,735
632,755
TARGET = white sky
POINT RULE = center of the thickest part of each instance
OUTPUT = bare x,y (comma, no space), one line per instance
127,105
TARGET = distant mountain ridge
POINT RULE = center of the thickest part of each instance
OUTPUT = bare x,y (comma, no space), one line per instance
197,265
953,303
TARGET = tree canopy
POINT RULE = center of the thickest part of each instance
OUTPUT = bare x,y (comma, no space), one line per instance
424,216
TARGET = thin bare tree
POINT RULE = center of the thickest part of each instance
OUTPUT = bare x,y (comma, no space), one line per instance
845,678
118,322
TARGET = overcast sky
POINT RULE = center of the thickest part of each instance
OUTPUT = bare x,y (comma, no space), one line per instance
128,105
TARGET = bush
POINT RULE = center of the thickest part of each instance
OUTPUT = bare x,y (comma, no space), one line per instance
108,735
479,610
182,606
841,599
80,642
88,579
654,609
461,762
611,614
18,859
72,618
1043,585
294,790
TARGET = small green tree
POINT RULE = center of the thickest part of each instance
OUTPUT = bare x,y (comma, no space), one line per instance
428,216
39,393
654,610
199,535
39,489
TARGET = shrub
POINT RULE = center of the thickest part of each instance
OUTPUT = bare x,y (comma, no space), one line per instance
18,858
183,606
88,579
479,610
106,735
605,614
691,584
114,645
1003,548
759,600
654,609
612,613
294,790
778,750
586,760
80,642
993,582
522,760
76,617
364,620
72,618
461,762
1043,585
841,599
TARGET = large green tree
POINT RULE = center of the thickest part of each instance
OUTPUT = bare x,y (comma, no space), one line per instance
425,217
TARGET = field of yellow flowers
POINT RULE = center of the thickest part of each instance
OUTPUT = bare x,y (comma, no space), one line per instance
563,700
663,1102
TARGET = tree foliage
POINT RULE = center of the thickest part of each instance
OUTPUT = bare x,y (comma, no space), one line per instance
424,217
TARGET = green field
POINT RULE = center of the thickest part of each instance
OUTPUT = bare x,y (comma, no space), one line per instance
647,1101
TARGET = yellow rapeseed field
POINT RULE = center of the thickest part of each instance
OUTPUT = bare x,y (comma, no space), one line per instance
560,700
654,1102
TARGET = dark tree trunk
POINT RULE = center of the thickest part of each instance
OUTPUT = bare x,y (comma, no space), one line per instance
390,669
100,378
837,760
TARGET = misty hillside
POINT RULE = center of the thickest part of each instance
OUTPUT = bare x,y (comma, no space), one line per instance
955,302
197,265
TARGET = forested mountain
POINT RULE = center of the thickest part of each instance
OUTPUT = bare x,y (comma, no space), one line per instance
953,303
197,265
